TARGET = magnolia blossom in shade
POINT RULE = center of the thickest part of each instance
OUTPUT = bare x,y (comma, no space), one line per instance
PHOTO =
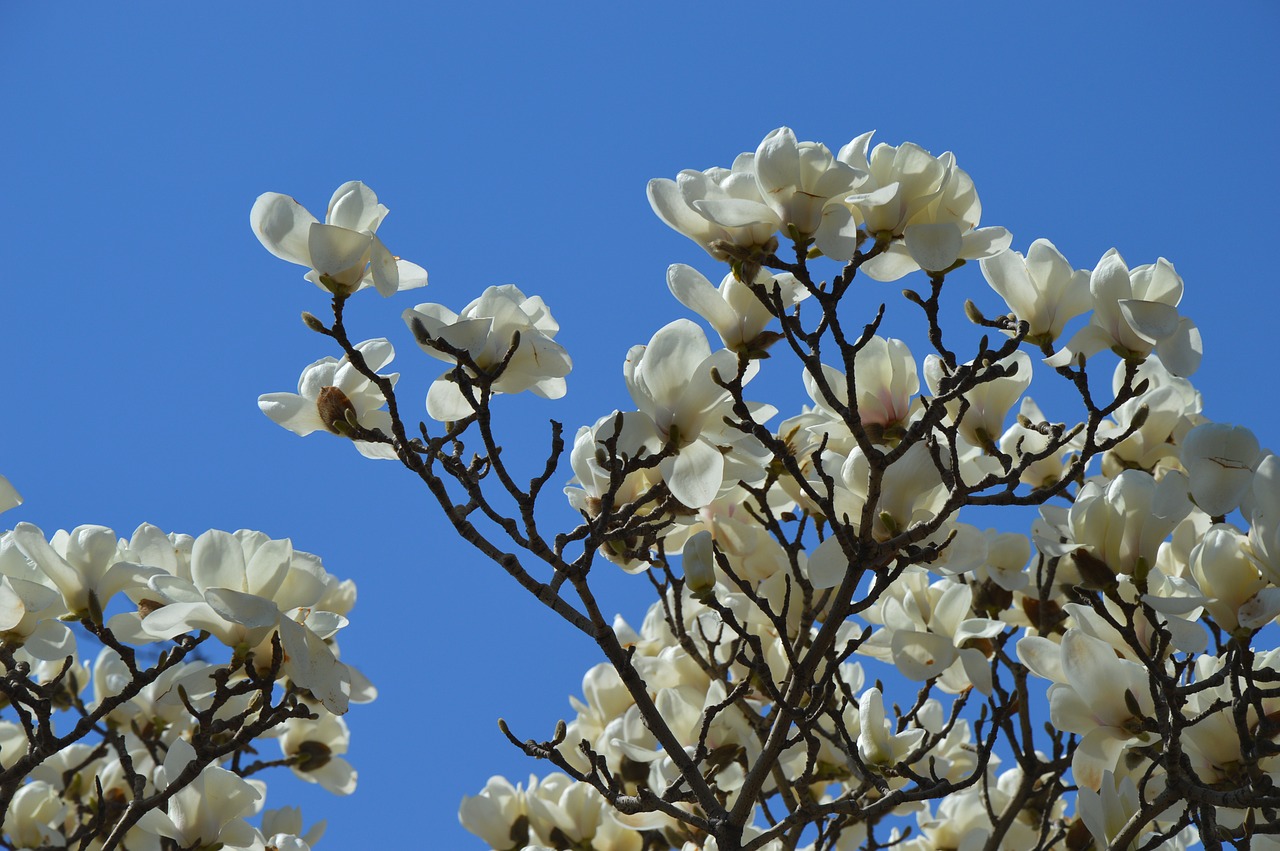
487,329
331,392
989,402
1219,460
1106,811
208,812
1091,695
1264,517
877,746
733,310
315,748
1235,593
1020,441
1135,313
1121,525
886,382
343,253
672,380
1041,289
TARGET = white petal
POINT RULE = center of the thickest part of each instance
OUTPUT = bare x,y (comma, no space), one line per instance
695,474
282,225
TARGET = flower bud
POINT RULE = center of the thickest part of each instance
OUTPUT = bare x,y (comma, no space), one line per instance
699,563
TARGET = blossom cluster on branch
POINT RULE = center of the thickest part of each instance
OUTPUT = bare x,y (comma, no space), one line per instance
207,646
1106,677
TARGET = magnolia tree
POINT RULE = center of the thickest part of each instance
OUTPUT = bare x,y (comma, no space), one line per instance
834,658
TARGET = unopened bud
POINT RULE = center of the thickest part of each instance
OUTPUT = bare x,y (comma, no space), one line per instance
313,322
975,315
699,563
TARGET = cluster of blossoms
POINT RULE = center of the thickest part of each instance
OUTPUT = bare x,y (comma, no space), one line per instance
1139,607
120,752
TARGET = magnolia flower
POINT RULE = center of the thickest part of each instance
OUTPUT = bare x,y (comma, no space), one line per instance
1041,289
1135,313
989,401
926,208
331,393
877,746
487,329
733,310
720,209
673,381
796,179
86,565
207,812
314,749
1094,694
885,381
1219,460
243,589
1236,594
343,254
1020,441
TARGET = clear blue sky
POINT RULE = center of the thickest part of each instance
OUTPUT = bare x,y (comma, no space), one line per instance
512,143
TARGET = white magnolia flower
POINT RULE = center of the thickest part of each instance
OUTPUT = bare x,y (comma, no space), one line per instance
1135,313
797,179
88,563
244,589
720,209
733,309
207,812
486,330
331,392
343,253
1041,289
989,402
1094,693
1018,442
1220,460
673,381
877,746
315,748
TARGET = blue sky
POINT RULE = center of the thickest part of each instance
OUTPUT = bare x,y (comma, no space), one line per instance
512,143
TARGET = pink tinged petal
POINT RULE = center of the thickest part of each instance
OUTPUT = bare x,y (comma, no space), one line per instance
338,252
1151,320
1181,351
699,295
355,206
695,474
386,274
282,225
